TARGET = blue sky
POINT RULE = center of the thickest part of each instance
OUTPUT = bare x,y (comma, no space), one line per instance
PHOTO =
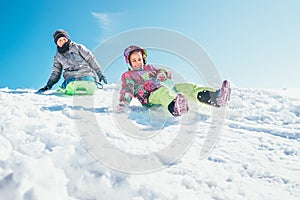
255,43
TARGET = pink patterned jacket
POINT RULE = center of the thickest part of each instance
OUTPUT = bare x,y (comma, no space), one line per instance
140,83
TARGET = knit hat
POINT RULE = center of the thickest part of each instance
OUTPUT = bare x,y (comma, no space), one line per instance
60,33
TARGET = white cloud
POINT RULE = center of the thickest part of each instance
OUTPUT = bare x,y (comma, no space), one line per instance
108,21
103,19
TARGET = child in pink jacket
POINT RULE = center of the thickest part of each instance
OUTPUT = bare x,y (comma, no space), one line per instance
146,83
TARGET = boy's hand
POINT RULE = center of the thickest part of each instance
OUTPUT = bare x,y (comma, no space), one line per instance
101,77
43,89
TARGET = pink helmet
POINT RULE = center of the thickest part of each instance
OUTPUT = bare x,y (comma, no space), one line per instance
129,50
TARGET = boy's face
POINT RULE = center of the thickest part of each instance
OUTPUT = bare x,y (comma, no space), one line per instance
61,41
136,60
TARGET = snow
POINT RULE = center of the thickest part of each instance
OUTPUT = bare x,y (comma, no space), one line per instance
44,153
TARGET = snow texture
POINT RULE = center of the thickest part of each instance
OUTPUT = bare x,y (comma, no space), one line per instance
43,158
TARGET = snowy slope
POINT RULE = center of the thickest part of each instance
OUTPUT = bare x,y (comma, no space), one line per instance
43,157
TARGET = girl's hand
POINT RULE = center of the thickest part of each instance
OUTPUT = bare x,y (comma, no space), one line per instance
161,76
122,107
169,74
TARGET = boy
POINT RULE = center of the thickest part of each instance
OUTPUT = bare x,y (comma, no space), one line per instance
74,60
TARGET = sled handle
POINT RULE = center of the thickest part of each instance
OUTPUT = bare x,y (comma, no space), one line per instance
99,85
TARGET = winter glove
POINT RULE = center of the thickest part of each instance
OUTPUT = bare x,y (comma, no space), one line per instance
43,89
122,107
101,77
169,74
163,75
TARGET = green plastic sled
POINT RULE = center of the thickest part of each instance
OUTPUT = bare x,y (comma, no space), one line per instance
78,88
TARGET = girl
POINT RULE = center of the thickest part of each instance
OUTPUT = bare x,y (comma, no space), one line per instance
146,83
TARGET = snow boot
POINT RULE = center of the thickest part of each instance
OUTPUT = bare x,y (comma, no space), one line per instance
224,94
208,97
179,105
217,98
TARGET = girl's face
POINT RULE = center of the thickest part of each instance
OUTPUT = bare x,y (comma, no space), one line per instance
136,60
61,41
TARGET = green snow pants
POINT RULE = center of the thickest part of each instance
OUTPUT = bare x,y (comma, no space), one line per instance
164,96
